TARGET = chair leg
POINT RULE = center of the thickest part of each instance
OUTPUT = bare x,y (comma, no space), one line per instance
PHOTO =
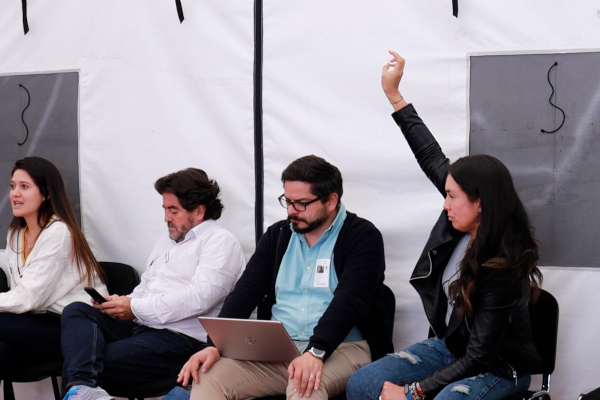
9,394
55,387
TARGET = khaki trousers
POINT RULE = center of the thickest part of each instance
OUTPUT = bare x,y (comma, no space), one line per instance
237,380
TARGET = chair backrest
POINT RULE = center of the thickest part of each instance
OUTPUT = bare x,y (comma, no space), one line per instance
591,395
544,323
3,281
122,278
389,299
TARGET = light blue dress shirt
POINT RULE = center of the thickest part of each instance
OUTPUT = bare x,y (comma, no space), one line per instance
306,282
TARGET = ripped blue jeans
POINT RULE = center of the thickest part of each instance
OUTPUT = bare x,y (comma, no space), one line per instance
421,360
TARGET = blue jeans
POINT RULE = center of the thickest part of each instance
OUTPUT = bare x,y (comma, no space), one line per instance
26,337
99,349
421,360
177,393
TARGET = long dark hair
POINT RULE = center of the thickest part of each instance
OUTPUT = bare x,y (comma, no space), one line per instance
504,238
50,183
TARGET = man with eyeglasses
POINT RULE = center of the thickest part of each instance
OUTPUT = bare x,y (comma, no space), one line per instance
320,273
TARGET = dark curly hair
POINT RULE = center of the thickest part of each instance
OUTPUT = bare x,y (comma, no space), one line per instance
324,177
193,188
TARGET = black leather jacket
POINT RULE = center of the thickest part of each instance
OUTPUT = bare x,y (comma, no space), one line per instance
497,336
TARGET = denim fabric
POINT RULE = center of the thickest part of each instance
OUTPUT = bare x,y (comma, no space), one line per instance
26,337
421,360
100,349
177,393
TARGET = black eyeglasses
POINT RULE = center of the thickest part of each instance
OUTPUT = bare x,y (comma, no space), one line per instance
298,205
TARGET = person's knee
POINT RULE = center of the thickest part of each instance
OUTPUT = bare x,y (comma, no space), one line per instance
356,385
366,383
178,393
75,310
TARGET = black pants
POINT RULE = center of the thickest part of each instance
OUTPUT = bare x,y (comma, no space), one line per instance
27,337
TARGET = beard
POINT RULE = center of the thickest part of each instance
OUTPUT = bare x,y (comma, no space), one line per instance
310,226
178,232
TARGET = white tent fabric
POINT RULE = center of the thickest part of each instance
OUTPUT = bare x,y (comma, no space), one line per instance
157,96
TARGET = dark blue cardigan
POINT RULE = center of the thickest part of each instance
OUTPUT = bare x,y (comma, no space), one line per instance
357,301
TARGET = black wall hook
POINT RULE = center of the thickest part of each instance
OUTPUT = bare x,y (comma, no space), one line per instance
552,104
22,116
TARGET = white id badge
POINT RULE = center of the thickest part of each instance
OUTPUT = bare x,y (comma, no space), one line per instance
322,273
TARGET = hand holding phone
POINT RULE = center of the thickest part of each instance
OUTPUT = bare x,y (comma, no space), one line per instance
95,294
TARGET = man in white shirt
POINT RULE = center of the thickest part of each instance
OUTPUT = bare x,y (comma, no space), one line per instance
151,332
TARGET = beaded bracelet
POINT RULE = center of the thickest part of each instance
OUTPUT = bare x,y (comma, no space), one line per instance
406,392
415,392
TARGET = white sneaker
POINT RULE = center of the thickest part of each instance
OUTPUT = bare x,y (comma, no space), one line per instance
82,392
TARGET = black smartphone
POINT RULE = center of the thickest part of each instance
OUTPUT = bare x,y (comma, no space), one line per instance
95,295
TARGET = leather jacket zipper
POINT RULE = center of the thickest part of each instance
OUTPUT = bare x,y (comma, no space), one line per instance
423,277
430,269
514,372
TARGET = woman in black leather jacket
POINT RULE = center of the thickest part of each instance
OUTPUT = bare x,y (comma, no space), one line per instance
476,276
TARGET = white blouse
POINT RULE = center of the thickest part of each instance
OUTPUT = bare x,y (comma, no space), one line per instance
48,279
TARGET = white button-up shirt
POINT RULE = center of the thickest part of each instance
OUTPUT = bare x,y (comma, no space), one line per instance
187,279
48,279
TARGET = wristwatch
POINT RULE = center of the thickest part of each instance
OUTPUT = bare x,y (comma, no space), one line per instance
318,353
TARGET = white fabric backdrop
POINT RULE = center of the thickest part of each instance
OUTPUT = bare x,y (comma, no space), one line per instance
157,96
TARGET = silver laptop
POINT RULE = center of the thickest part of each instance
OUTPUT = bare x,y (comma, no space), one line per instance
250,339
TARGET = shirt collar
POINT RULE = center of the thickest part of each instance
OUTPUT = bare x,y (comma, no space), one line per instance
198,230
337,222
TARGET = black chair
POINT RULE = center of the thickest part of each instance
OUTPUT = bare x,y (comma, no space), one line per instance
122,278
544,323
33,371
389,299
590,395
